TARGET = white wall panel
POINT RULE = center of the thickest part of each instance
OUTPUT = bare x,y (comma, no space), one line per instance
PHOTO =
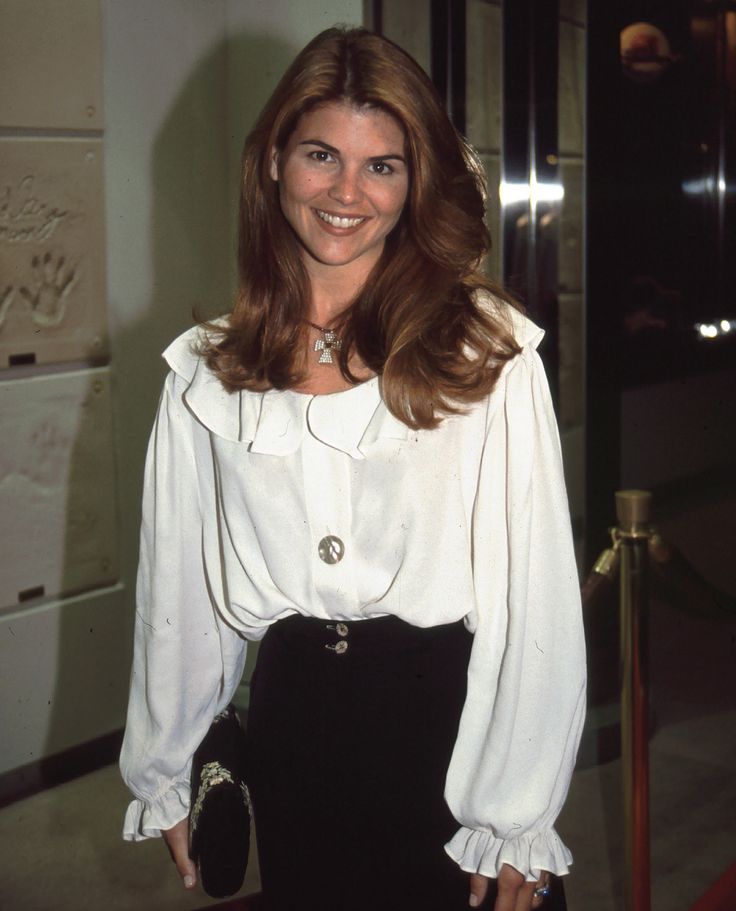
58,525
484,75
492,167
51,53
52,251
64,671
570,250
571,89
408,24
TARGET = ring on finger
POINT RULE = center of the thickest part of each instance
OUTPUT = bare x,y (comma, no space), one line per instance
542,891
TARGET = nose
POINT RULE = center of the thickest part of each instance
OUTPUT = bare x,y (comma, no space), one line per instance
346,188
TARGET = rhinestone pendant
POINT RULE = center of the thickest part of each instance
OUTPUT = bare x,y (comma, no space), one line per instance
327,345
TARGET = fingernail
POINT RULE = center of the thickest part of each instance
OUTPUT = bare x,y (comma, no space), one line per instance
188,881
474,901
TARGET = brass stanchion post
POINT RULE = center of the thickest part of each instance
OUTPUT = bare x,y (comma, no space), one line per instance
632,511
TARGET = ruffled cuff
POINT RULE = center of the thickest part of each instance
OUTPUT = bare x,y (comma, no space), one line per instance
146,819
479,851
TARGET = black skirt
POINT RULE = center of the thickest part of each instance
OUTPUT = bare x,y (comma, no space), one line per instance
350,731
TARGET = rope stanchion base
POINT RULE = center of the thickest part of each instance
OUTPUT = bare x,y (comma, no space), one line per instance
721,896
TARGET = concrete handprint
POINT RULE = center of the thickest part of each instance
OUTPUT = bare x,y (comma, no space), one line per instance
48,296
6,300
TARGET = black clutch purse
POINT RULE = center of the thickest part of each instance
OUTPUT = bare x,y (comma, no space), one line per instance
219,819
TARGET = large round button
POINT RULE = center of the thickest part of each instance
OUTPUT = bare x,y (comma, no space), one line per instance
331,549
342,629
341,647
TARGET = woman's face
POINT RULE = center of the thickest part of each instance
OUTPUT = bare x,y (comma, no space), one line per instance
343,181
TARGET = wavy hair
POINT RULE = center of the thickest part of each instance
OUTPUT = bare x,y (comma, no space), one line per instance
417,320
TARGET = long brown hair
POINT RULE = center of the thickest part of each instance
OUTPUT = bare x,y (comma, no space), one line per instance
416,321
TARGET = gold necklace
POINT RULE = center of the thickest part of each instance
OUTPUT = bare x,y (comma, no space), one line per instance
329,342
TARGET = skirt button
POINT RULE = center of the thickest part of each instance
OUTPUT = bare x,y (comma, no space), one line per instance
341,629
341,647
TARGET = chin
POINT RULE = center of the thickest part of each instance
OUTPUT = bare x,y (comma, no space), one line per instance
338,258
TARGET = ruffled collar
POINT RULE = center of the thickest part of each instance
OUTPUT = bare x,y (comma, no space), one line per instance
276,421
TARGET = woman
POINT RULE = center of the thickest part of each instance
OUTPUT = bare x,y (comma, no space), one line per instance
360,467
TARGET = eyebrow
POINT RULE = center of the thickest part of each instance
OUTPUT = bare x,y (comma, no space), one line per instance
334,151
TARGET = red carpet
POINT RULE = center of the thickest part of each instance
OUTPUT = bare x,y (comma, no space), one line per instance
722,894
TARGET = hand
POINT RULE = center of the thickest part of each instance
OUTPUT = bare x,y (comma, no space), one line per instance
47,293
514,893
177,841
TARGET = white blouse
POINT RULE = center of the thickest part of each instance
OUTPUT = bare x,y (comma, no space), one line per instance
468,521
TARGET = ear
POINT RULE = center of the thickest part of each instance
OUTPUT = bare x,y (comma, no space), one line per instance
274,165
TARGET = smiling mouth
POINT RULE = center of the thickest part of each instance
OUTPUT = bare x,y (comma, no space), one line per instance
337,221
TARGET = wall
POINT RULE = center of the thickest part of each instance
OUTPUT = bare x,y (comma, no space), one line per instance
181,81
58,468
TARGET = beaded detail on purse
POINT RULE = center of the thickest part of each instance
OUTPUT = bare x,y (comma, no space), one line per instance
213,774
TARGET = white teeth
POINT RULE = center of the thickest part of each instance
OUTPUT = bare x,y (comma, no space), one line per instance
338,222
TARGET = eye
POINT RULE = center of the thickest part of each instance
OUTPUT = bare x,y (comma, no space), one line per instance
381,167
321,155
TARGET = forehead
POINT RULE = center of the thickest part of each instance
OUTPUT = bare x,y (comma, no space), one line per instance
339,122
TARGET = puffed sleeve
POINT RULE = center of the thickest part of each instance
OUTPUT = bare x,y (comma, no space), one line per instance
187,661
525,706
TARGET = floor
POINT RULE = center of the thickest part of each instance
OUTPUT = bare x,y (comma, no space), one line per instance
61,848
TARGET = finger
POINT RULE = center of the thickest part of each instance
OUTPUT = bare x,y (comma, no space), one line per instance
510,882
538,900
478,889
506,900
177,841
188,872
66,282
525,897
48,268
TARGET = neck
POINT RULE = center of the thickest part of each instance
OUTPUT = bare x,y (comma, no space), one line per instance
333,288
329,299
326,312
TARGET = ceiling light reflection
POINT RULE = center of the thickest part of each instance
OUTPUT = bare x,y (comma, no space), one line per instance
702,186
699,186
717,329
511,192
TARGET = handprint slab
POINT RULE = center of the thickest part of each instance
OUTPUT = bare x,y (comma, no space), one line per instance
48,292
58,510
52,251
